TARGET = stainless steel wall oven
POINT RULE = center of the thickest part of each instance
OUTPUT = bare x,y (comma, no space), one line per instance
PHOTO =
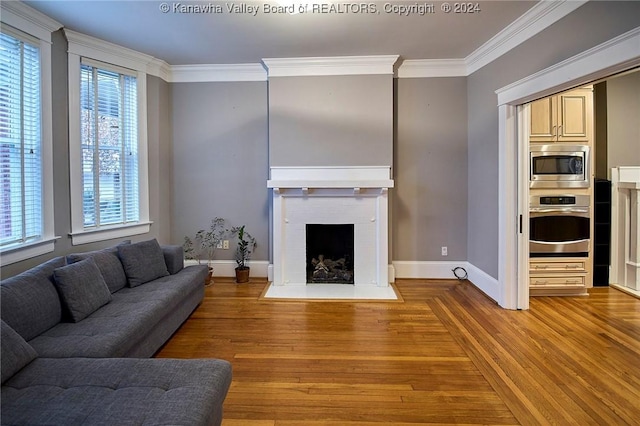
559,226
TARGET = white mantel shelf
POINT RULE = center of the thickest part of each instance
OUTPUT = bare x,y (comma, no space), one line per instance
387,183
331,177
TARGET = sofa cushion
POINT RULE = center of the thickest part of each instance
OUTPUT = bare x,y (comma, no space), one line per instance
117,392
143,262
16,353
174,258
109,264
82,288
29,301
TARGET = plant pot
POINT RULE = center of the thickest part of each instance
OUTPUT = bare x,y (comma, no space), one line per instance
242,275
209,279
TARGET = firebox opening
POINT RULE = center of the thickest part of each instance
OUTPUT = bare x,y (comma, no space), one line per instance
330,253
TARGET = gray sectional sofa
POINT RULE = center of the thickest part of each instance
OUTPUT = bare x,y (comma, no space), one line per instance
76,333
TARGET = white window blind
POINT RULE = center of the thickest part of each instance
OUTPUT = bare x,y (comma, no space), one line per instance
109,144
21,209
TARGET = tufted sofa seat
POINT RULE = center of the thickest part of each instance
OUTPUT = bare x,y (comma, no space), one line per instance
119,391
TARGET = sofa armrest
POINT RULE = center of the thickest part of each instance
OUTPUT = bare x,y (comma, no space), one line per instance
173,257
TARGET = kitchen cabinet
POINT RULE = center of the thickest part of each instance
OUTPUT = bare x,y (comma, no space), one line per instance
559,276
566,117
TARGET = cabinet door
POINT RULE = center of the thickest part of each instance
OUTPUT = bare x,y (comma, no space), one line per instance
543,125
574,115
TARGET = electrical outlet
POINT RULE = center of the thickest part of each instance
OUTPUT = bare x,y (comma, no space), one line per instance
445,251
225,244
219,245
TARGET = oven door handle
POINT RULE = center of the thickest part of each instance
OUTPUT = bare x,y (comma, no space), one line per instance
551,243
555,211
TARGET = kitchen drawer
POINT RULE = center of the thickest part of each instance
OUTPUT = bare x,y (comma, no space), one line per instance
557,281
555,267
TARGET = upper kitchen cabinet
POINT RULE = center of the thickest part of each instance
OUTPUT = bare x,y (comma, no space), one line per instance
566,117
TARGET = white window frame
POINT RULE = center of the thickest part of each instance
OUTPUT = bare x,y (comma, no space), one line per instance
83,46
39,26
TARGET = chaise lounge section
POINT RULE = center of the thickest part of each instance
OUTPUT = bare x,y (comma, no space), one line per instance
74,330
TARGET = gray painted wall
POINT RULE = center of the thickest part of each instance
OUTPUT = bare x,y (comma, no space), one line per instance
220,160
623,121
331,120
430,197
590,25
158,105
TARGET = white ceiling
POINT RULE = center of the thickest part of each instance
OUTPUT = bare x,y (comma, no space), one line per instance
237,38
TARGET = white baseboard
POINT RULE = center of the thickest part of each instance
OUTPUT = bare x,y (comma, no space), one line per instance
392,274
427,269
227,268
444,270
485,282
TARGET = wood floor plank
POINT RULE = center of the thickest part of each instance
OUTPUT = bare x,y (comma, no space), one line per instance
445,354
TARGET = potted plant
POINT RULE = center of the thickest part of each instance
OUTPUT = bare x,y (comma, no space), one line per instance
244,250
205,243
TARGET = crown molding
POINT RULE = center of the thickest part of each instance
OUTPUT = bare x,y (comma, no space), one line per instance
542,15
425,68
91,47
160,69
29,20
616,55
219,72
323,66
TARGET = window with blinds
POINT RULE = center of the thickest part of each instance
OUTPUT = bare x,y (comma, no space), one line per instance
21,209
109,144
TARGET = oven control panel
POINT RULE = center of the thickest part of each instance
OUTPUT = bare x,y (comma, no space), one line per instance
559,200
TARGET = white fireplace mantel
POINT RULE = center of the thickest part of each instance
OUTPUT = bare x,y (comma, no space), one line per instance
330,177
331,195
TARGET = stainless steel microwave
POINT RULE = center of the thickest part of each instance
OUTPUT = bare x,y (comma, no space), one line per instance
559,166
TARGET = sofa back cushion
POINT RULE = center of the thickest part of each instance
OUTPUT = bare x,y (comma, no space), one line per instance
82,288
16,353
142,262
174,258
29,302
109,264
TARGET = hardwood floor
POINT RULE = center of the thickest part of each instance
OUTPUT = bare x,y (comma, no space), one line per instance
446,354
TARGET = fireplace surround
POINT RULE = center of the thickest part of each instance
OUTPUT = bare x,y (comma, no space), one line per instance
356,196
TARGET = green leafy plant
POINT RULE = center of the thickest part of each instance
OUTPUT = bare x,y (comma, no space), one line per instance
205,242
246,246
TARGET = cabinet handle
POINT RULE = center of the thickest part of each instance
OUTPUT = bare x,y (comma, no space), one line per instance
541,282
572,266
553,130
559,130
572,281
541,266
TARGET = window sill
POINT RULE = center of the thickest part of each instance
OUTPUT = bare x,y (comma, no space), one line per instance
109,233
27,251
